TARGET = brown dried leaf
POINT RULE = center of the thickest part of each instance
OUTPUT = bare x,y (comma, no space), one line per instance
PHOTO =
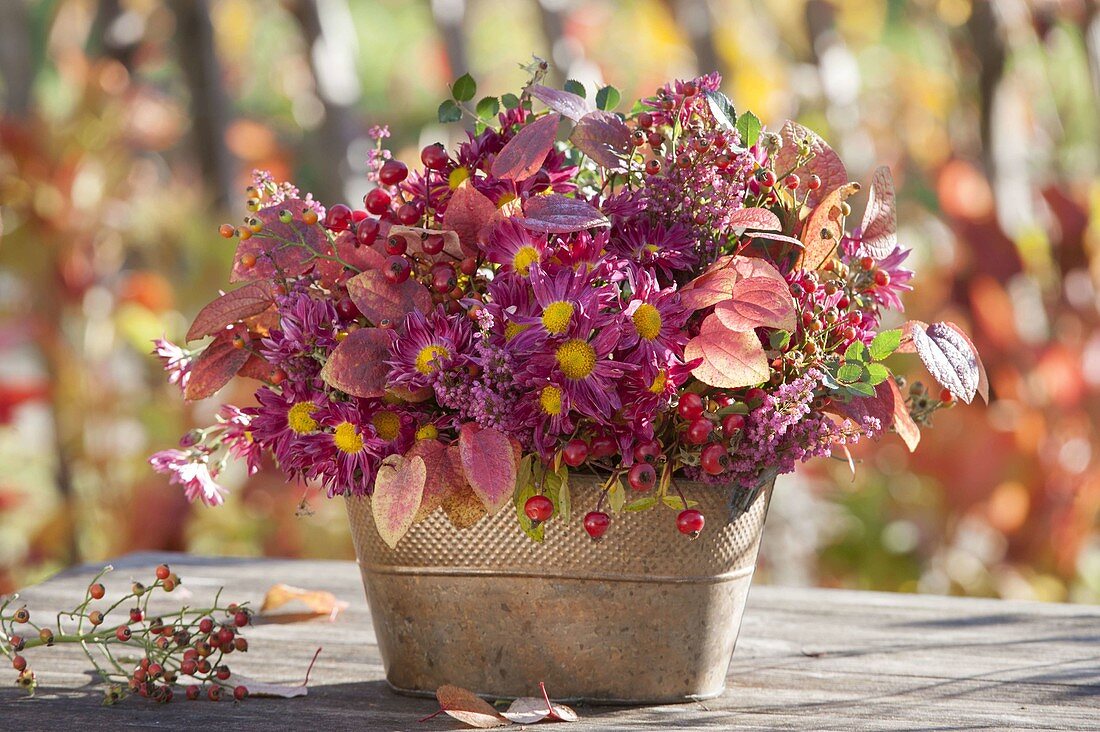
532,710
468,708
318,601
215,366
822,232
825,162
232,307
880,221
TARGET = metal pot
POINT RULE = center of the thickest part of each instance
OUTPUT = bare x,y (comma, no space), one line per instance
644,616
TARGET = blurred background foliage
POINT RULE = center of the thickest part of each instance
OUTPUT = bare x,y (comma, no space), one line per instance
130,126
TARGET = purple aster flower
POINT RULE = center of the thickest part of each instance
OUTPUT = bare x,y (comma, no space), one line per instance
175,360
654,335
669,249
565,299
509,300
306,334
344,454
514,247
428,344
282,420
544,409
191,469
237,436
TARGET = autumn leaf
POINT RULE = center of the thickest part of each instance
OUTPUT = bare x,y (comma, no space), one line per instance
468,708
754,218
880,221
532,710
729,359
757,302
444,475
319,602
470,214
279,249
949,356
567,104
358,256
357,365
709,289
823,230
398,488
462,506
603,137
524,154
415,236
232,307
489,461
379,300
214,367
558,214
825,163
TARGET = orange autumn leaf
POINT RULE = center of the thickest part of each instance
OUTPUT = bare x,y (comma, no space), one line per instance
319,602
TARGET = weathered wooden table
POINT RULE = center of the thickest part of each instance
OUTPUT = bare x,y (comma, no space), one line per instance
807,659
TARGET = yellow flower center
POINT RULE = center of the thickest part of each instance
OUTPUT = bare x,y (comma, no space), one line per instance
556,317
427,432
524,258
647,321
652,248
428,358
386,424
576,358
514,329
347,438
550,400
659,382
300,418
457,177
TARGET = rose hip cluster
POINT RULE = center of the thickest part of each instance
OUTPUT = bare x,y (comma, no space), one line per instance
186,649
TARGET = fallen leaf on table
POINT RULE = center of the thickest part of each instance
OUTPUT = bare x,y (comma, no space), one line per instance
468,708
531,710
318,601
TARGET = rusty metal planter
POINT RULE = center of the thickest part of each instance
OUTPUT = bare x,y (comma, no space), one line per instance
644,616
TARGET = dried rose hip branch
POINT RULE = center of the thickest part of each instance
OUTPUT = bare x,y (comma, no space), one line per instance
131,651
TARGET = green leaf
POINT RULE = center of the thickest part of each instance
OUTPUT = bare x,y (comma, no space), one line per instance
537,533
861,389
722,109
616,495
510,101
575,87
849,373
779,340
678,504
608,98
464,88
488,107
735,408
856,353
877,373
641,504
637,108
748,128
885,343
565,500
449,112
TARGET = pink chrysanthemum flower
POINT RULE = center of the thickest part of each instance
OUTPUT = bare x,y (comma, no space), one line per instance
654,335
237,436
508,302
345,453
307,326
514,247
428,344
565,300
175,360
669,249
889,294
283,419
190,469
544,410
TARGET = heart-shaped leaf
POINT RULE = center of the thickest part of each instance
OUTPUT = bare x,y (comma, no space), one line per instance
379,300
709,289
444,471
558,214
880,221
758,302
825,163
603,137
822,232
468,708
278,248
950,357
462,506
489,462
567,104
398,488
470,214
730,359
754,218
358,365
524,154
215,366
232,307
532,710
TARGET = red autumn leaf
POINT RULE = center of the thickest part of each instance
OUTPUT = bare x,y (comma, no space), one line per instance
256,367
445,477
825,163
902,421
773,236
603,137
822,231
532,710
378,299
468,708
357,366
415,236
754,218
280,248
558,214
357,255
567,104
215,366
729,359
232,307
524,154
758,302
880,221
398,488
709,289
489,463
470,214
889,408
949,356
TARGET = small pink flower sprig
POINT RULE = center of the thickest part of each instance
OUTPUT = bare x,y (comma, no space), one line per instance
132,652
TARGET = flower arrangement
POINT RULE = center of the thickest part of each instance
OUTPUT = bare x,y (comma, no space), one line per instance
674,294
